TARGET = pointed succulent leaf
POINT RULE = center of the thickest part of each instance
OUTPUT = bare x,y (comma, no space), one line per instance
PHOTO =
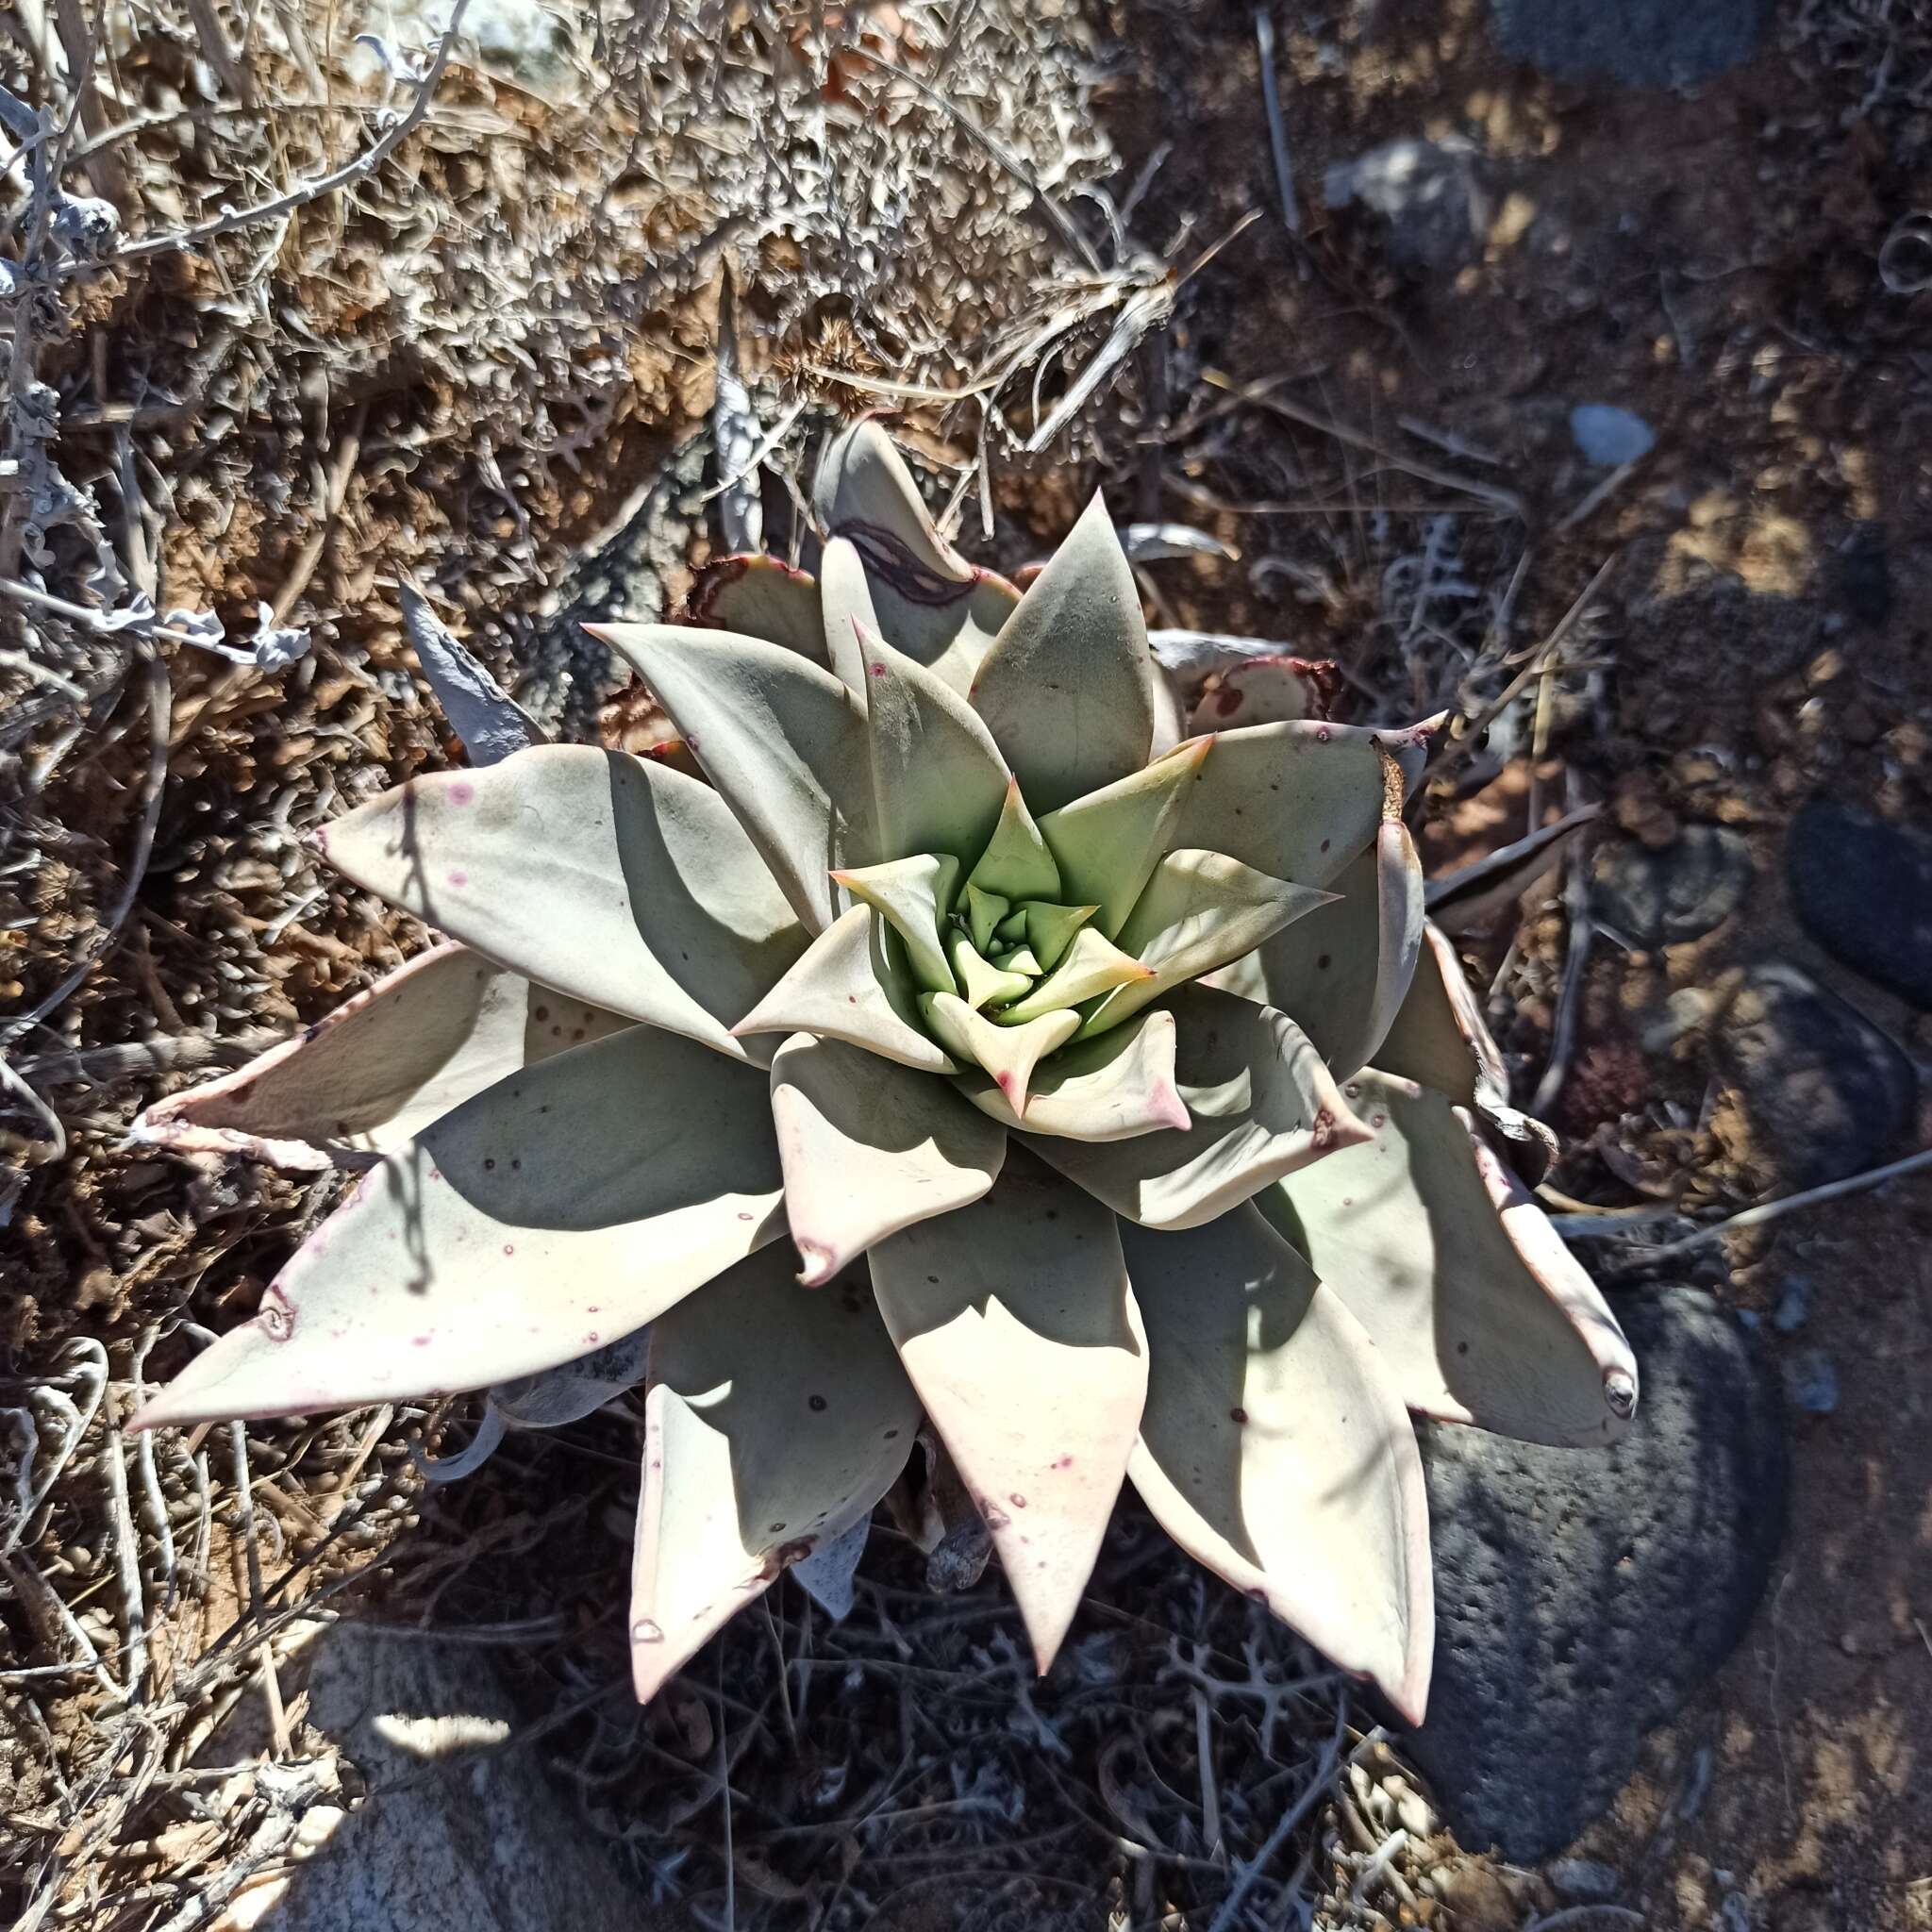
1009,1054
1466,1291
611,880
1260,1102
1344,972
1108,1088
781,739
829,1575
846,614
575,1389
940,610
1275,1450
916,896
1016,863
1199,911
1020,960
1298,801
758,596
851,984
1047,930
489,722
1271,688
1090,966
385,1063
863,483
567,1205
983,910
981,982
940,782
1068,687
1016,1324
775,1421
869,1147
1438,1037
1108,842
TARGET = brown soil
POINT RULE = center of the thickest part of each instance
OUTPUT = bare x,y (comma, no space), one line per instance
1710,263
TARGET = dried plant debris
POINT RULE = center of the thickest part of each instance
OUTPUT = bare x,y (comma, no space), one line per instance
299,305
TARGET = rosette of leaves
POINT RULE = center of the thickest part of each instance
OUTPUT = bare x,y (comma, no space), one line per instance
964,1045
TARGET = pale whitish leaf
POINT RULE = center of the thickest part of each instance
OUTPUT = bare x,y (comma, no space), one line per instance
1263,691
869,1147
851,984
1009,1054
1016,1324
846,615
1438,1036
928,601
829,1574
776,1419
1108,844
1016,864
1068,687
1260,1104
1090,966
981,983
1275,1449
1343,971
383,1065
780,738
916,896
546,1401
1108,1088
489,722
1475,1305
759,597
1296,800
569,1204
578,1389
1198,911
940,782
610,878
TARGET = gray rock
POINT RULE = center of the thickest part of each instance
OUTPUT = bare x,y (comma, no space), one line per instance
1632,43
1587,1880
1582,1598
1608,435
1828,1094
1431,192
1863,889
454,1832
1811,1379
1674,893
1793,1306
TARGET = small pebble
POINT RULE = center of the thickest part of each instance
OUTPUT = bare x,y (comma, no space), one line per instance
1793,1306
1608,435
1812,1378
1587,1880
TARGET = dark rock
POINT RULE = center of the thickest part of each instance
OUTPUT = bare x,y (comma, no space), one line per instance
1587,1879
1861,576
1664,896
1431,192
1863,889
1794,1305
1582,1598
1634,43
1828,1094
1811,1379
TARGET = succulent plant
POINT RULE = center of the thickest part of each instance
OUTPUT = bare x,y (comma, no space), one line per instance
1126,1119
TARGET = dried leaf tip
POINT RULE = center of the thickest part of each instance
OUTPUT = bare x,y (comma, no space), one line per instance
1394,790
